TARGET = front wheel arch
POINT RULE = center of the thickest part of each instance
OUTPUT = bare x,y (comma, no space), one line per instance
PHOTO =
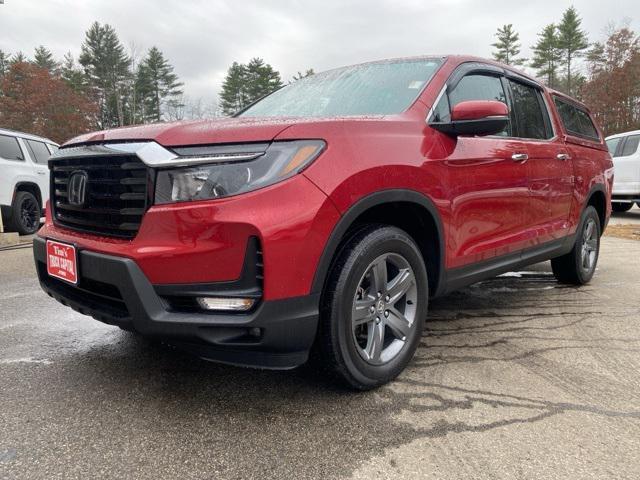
348,223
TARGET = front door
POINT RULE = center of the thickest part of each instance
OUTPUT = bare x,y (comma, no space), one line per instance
487,182
489,198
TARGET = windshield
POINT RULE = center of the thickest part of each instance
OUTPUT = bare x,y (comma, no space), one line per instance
381,88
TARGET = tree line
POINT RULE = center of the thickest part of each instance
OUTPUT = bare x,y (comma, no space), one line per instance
605,75
108,86
246,83
105,87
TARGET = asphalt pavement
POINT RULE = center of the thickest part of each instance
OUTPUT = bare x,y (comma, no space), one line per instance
516,377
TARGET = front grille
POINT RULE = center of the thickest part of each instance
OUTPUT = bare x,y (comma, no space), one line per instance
117,193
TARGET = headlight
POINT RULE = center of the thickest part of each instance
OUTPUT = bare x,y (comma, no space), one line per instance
228,176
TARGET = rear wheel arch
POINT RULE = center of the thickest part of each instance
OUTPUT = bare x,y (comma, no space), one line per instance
408,210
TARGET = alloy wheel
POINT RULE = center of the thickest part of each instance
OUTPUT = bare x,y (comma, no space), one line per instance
384,309
29,217
589,251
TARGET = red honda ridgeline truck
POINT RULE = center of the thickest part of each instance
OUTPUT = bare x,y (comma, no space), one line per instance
324,216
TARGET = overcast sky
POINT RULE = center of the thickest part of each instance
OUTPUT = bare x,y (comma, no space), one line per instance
202,37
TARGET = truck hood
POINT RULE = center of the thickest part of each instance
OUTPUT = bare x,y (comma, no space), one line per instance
226,130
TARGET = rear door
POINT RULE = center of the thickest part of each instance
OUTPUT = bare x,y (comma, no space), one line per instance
39,153
549,166
626,161
487,178
586,148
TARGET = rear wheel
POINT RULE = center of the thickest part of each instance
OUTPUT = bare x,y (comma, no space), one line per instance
25,213
621,207
578,266
374,307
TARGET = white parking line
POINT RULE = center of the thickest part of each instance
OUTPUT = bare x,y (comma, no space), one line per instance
8,361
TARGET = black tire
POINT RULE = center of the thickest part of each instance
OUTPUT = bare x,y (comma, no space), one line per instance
337,341
25,214
621,207
570,268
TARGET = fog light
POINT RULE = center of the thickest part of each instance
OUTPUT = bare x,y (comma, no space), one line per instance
226,304
255,332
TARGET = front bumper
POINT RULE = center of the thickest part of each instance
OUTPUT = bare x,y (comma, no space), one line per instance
114,290
204,241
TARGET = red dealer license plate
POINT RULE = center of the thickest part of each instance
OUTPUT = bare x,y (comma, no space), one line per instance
62,262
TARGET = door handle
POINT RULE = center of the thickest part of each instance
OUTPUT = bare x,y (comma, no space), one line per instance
519,157
563,156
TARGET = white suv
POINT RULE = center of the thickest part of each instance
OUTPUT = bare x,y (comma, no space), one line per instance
24,179
626,161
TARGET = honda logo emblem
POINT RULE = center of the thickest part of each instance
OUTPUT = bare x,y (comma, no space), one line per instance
77,190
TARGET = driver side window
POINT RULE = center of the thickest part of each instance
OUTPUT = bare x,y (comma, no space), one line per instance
472,87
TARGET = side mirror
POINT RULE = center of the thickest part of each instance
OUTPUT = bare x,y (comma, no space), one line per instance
475,117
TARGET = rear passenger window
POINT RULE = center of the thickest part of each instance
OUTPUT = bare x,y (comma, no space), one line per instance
10,149
479,87
529,113
630,147
39,151
576,121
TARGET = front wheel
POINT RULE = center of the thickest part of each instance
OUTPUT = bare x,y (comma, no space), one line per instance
578,266
374,307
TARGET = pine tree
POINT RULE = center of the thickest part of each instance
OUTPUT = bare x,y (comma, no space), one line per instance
300,76
106,67
4,63
18,57
134,114
547,55
245,84
572,41
596,56
71,73
233,95
261,79
43,58
508,46
157,85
